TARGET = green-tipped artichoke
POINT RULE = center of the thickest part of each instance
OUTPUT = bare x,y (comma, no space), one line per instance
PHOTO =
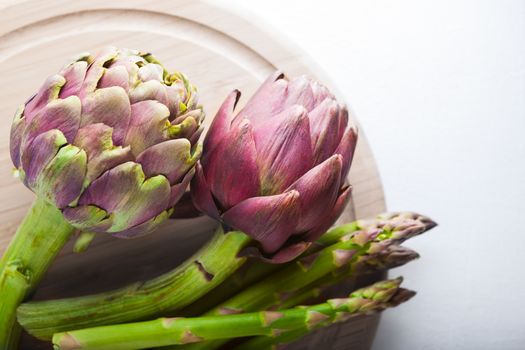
111,140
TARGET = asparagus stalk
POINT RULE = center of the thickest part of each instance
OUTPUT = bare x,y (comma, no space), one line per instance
270,342
175,289
393,256
278,286
166,331
36,243
310,268
169,292
251,273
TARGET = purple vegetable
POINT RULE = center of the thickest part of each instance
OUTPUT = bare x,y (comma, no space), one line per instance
277,169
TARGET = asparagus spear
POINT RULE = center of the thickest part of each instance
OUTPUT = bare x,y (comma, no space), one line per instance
270,342
169,292
167,331
256,270
310,268
278,286
393,256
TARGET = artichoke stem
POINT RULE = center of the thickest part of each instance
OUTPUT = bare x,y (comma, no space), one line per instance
36,243
177,288
251,273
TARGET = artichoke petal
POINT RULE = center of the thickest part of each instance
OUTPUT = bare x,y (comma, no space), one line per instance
325,129
233,161
178,190
115,76
97,140
328,220
319,188
15,138
149,90
61,181
96,70
39,154
127,195
269,219
145,227
47,93
170,158
284,150
148,125
222,121
266,102
184,129
201,194
109,106
176,95
151,72
346,149
88,217
74,75
300,92
131,68
63,115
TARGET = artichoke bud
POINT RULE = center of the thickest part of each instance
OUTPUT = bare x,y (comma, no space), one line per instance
96,141
277,169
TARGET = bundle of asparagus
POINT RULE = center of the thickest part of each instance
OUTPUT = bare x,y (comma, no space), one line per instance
273,176
279,325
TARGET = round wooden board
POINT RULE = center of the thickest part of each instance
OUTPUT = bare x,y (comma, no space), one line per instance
217,49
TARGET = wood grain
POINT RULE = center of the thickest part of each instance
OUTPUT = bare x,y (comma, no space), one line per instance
219,51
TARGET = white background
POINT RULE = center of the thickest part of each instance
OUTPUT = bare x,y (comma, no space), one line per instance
439,88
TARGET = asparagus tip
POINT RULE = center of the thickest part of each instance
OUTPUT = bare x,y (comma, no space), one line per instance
402,295
392,256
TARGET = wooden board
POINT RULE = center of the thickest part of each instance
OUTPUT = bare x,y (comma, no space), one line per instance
217,49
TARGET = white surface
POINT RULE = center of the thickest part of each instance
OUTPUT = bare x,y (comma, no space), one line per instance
439,88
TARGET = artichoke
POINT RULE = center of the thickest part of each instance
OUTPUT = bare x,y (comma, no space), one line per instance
109,144
111,140
277,169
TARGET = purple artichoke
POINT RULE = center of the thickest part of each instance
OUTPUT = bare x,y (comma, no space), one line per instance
111,140
277,170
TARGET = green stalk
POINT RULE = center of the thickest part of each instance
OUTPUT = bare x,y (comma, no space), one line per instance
255,271
300,298
170,331
249,273
310,268
277,287
173,290
36,243
393,256
270,343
